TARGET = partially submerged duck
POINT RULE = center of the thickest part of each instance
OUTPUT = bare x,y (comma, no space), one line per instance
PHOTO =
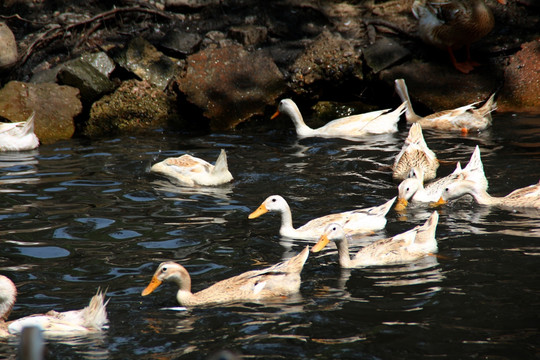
192,171
412,188
282,279
465,119
402,248
90,319
360,125
415,153
18,136
360,221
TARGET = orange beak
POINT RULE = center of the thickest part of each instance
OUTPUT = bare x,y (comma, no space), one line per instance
261,210
276,114
323,241
440,202
154,283
401,204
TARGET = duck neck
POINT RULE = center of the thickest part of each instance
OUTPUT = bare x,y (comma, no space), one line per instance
483,198
184,294
301,128
286,222
343,253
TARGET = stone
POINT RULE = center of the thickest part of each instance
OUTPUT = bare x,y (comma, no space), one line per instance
55,105
521,90
144,60
248,35
384,53
189,4
9,53
329,60
134,107
230,85
91,83
181,43
100,61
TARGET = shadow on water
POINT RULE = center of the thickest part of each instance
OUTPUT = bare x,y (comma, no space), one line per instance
77,216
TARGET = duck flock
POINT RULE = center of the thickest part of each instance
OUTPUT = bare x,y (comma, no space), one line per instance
415,168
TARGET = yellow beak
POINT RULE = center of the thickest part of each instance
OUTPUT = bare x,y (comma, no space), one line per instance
276,114
401,204
261,210
438,203
323,241
154,283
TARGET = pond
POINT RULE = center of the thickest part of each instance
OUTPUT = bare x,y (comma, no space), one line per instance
79,215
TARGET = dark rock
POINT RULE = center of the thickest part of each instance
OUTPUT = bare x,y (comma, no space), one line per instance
8,46
189,4
100,61
248,35
330,59
133,107
148,63
181,43
384,53
230,85
90,81
441,87
55,106
521,90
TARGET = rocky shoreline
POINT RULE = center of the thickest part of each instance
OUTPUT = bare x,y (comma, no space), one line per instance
209,65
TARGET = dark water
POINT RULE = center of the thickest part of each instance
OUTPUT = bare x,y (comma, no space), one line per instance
81,215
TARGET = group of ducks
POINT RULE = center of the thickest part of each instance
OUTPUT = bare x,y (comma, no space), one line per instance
414,164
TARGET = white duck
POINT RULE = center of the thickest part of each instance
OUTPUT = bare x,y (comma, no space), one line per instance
415,153
360,221
405,247
192,171
412,188
282,279
527,197
466,118
92,318
18,136
360,125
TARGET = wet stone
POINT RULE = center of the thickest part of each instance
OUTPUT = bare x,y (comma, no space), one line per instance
384,53
181,43
248,34
89,80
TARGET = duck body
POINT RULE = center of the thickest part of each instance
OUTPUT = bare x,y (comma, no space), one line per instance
452,24
465,119
412,188
192,171
360,125
90,319
415,153
402,248
527,197
18,136
282,279
360,221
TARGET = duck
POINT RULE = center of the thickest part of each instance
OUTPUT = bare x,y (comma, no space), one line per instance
464,119
402,248
279,280
412,188
453,24
18,136
90,319
360,125
192,171
357,222
522,198
415,153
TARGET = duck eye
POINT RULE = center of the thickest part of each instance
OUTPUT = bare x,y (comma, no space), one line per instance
164,269
408,189
274,200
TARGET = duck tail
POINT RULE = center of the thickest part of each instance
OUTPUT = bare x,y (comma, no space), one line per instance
28,126
221,163
415,135
297,262
95,314
489,106
383,209
426,232
403,93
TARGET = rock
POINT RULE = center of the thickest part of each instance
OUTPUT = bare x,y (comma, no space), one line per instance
330,59
181,43
148,63
135,106
248,35
383,54
441,87
91,83
100,61
521,90
230,85
189,4
9,53
55,106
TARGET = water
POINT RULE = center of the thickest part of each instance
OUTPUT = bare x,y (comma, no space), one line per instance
80,215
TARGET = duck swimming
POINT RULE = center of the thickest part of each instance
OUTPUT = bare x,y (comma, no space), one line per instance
415,153
18,136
